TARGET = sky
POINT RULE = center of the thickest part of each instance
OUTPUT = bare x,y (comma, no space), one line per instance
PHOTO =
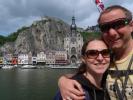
15,14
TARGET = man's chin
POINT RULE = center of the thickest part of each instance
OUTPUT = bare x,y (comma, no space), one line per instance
116,47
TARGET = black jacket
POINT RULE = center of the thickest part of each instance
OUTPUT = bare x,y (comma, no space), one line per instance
92,92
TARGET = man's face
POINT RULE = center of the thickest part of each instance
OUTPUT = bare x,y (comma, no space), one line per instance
116,29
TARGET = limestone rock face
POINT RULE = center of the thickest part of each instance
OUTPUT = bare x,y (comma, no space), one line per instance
7,48
48,33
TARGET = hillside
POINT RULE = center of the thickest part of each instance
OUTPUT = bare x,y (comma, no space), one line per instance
47,33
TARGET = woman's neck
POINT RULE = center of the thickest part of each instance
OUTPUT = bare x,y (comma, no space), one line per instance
94,79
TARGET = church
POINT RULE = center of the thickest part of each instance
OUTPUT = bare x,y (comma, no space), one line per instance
73,43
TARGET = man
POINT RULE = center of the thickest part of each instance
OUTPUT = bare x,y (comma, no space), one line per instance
116,25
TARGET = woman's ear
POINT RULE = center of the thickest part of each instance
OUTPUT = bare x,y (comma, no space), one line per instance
83,59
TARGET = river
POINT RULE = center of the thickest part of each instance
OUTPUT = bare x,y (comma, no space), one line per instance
30,84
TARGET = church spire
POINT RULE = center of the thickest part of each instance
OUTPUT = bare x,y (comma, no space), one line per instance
73,25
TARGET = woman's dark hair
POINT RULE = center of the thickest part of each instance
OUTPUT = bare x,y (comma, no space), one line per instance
82,68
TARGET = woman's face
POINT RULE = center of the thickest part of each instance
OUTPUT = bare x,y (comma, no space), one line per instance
97,57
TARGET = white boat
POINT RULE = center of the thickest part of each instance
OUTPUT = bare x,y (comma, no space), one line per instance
28,67
8,67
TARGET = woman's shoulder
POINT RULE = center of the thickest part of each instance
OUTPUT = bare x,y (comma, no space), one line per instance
80,78
83,81
58,96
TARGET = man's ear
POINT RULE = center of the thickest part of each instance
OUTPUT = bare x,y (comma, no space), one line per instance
132,29
131,24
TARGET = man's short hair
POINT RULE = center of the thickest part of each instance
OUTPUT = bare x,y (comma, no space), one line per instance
114,7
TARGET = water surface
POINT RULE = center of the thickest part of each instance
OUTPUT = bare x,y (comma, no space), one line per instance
30,84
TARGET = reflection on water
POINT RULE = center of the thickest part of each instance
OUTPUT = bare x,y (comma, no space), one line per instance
30,84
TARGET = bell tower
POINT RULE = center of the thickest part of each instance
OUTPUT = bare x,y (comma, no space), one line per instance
73,30
73,43
73,27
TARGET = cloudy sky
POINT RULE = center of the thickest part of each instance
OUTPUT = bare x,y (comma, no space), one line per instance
17,13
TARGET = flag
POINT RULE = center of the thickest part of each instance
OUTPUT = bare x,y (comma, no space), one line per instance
100,5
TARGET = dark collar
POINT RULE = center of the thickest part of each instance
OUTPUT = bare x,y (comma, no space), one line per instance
85,82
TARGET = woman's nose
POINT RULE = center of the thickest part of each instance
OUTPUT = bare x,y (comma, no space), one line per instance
100,57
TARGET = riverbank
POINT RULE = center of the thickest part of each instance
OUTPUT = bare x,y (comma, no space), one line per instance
38,66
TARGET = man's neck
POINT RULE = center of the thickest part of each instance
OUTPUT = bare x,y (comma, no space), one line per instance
123,52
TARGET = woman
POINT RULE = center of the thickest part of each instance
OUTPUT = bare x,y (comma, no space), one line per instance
92,72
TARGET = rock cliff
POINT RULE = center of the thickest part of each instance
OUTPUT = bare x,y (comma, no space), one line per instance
47,33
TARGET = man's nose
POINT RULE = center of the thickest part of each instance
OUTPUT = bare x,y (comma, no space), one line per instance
112,32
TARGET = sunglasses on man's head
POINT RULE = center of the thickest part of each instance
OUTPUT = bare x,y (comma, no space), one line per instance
115,24
95,53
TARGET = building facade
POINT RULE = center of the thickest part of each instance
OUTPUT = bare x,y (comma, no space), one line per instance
73,43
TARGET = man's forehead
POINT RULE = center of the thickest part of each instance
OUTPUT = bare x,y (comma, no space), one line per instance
112,15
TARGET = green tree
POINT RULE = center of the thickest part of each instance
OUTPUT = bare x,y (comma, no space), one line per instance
12,37
2,40
88,35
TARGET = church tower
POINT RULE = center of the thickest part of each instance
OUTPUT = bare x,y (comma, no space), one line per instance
73,26
73,43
